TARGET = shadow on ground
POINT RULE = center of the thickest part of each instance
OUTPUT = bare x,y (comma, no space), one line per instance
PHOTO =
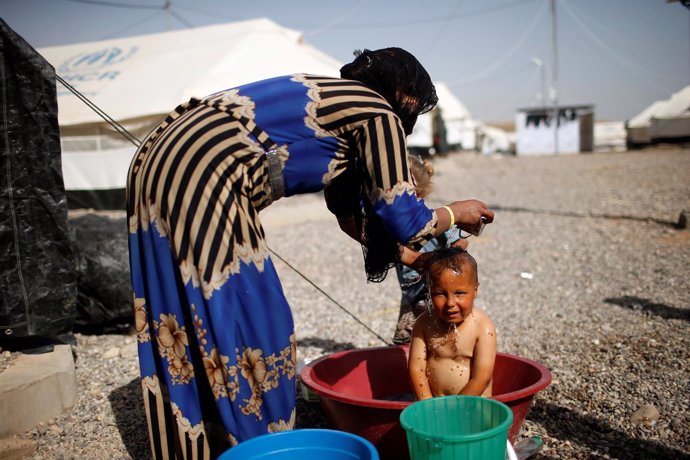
310,414
327,345
128,407
565,424
646,305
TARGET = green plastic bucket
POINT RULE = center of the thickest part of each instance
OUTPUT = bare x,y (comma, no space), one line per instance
457,427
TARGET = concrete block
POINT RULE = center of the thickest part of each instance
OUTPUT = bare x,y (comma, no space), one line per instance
35,389
17,449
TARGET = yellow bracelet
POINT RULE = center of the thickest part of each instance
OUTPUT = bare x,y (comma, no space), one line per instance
452,216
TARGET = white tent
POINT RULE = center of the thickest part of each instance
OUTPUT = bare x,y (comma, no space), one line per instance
662,121
609,136
460,127
138,80
494,140
459,130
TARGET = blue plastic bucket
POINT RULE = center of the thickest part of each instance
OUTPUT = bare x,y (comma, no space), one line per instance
457,427
312,444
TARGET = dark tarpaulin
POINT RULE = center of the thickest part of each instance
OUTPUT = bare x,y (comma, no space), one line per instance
104,302
37,269
98,199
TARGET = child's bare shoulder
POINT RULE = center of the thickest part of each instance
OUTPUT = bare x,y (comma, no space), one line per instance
483,318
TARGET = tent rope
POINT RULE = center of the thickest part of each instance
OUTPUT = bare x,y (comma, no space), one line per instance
130,137
329,297
118,127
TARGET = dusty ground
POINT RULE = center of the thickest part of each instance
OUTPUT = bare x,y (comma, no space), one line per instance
584,270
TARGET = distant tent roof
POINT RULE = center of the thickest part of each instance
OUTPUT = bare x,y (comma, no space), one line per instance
458,121
138,80
677,106
151,74
452,108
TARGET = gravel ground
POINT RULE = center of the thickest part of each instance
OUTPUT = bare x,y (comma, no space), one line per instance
583,271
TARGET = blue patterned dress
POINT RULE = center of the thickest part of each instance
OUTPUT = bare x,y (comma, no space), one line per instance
216,337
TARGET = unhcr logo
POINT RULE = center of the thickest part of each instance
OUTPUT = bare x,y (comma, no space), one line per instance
97,59
92,66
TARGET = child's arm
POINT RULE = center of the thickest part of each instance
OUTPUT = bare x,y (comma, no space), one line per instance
484,359
417,361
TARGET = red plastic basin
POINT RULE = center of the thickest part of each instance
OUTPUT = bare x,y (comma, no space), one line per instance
356,388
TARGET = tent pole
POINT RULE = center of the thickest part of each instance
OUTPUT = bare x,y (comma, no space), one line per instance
554,75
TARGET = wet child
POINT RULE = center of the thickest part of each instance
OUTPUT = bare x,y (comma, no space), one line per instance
453,347
415,298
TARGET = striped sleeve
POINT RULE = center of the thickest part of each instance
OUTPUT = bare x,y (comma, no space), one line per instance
383,150
348,109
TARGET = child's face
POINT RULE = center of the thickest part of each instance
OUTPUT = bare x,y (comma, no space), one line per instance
452,294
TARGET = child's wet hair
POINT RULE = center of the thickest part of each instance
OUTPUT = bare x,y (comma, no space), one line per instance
452,258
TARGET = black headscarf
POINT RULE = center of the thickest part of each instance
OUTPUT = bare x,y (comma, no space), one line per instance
397,76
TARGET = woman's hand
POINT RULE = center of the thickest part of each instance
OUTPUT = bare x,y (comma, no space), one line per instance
469,215
411,258
417,260
460,243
